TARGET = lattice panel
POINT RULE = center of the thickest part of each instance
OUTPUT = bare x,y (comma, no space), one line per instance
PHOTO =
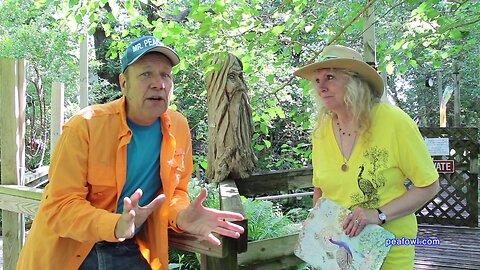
457,202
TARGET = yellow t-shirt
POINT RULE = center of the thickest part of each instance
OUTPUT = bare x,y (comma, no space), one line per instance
390,152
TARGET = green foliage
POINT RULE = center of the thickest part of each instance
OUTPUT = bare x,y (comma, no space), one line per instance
33,34
182,260
271,38
266,221
432,36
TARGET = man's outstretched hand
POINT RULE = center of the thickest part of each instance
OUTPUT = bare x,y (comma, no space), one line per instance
196,219
134,215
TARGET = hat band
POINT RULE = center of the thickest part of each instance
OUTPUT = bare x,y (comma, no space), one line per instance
327,57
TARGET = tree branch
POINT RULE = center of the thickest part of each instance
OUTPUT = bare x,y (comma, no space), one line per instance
334,38
459,5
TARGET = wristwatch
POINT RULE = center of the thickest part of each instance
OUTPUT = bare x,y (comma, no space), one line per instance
381,216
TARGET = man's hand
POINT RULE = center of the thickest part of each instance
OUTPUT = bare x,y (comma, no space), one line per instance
133,215
196,219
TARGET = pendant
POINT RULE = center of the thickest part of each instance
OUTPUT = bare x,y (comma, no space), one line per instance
344,167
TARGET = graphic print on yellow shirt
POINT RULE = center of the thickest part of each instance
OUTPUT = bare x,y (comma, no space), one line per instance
370,180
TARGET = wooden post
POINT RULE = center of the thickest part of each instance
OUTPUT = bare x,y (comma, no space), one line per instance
439,82
227,263
22,102
369,51
229,201
84,73
12,133
383,74
456,92
369,47
57,114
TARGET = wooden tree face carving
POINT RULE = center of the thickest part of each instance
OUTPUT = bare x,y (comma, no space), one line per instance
230,126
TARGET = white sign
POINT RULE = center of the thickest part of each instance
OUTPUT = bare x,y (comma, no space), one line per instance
438,146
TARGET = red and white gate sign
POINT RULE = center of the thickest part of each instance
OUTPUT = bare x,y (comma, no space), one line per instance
444,166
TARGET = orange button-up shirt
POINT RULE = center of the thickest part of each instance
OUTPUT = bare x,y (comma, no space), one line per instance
87,175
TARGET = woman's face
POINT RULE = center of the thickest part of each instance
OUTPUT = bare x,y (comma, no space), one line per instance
331,85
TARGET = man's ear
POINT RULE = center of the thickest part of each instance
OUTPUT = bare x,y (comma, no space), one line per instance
123,82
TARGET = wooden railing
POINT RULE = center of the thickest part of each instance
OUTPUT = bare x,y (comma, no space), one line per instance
26,200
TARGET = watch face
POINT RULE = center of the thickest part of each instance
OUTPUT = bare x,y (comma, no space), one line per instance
382,217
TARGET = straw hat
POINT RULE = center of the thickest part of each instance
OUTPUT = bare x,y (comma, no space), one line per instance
337,56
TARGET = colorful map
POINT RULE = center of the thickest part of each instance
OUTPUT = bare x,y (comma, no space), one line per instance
323,244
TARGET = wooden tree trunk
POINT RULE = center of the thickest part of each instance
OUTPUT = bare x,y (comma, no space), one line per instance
230,125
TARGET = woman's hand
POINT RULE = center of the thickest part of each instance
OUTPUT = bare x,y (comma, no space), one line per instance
358,219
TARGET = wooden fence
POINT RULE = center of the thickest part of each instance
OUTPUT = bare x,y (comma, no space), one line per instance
457,202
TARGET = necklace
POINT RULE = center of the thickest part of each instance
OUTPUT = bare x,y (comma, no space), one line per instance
344,166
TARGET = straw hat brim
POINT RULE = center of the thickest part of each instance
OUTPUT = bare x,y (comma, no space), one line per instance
364,71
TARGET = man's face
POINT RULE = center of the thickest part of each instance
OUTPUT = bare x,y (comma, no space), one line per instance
235,80
147,85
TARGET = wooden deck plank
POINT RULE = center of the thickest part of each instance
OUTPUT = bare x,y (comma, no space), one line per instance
458,248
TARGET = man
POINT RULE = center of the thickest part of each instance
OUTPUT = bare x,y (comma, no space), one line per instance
118,178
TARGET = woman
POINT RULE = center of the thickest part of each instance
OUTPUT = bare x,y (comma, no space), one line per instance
363,150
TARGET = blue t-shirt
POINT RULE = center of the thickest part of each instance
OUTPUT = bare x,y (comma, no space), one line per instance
143,163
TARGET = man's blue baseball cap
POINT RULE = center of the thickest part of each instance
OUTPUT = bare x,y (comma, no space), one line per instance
144,45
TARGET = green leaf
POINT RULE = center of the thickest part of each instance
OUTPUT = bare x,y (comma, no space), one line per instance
72,3
437,64
78,18
110,17
270,78
268,144
277,30
264,128
271,112
399,44
279,111
456,34
125,33
219,6
93,28
259,147
432,13
204,164
390,67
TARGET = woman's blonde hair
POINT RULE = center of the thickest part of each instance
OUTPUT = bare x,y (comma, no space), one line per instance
359,99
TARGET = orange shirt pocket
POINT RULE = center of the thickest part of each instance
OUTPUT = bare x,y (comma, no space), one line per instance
102,188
